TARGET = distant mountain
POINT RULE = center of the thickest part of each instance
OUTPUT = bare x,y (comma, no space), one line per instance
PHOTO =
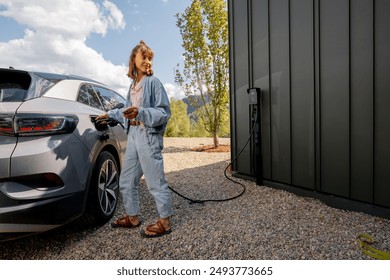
190,108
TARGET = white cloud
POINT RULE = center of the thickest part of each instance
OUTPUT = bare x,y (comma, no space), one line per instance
115,18
174,91
74,18
55,38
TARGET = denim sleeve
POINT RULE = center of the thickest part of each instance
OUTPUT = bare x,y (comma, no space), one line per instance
116,114
159,111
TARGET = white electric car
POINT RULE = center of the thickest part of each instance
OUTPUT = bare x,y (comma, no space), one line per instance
56,162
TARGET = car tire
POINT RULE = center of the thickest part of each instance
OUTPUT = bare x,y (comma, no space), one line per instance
103,191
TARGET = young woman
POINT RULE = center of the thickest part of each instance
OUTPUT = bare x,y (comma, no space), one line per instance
146,115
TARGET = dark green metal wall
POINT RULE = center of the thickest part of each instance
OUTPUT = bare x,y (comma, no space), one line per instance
324,70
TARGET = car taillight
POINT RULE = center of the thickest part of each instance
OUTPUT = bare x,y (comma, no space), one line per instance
37,124
6,125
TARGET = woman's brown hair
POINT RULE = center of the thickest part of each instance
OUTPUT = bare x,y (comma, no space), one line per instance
146,51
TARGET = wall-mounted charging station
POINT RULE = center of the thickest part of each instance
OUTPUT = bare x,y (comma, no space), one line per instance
255,123
255,140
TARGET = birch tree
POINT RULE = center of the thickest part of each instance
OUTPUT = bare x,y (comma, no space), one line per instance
204,30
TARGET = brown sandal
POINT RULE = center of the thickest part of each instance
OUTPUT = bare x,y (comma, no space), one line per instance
160,231
124,222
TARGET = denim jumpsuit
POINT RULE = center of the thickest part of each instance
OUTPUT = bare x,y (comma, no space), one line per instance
143,154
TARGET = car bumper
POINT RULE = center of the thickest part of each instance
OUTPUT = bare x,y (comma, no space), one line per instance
45,187
26,217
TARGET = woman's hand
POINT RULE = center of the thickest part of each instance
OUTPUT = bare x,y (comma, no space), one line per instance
102,117
130,113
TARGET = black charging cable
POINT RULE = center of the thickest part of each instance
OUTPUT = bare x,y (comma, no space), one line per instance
227,177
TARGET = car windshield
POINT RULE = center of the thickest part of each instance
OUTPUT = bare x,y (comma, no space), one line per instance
21,86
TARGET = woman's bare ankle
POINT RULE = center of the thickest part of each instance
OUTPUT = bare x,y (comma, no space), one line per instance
166,222
134,220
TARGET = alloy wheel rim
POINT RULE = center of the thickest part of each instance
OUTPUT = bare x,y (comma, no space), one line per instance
108,185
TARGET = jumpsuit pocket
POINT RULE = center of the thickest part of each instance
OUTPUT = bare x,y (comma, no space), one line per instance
156,144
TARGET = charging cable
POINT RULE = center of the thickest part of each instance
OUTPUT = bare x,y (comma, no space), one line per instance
230,179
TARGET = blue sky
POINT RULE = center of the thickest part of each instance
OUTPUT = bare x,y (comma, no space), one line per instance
92,38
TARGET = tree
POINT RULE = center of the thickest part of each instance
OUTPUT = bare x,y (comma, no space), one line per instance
198,128
204,30
179,123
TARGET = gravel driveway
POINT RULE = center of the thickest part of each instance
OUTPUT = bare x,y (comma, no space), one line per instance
264,223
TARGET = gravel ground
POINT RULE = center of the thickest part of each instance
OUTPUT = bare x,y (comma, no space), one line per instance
264,223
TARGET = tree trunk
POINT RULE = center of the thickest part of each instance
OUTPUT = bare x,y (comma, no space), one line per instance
216,140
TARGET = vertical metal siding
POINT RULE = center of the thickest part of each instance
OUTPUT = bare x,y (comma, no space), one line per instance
260,56
280,90
334,75
362,99
323,66
317,93
241,84
302,93
382,103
